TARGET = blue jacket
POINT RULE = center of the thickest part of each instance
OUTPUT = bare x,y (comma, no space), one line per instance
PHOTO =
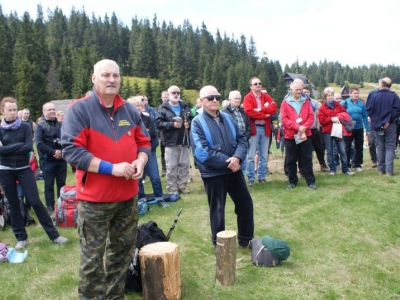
383,107
211,159
357,112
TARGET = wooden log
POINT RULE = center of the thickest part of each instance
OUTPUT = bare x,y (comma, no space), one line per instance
226,258
161,272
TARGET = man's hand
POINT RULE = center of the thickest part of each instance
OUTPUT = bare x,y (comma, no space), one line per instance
335,119
57,154
233,163
124,169
177,124
139,168
386,125
302,129
186,124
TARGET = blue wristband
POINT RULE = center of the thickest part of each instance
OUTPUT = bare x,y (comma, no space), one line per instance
105,167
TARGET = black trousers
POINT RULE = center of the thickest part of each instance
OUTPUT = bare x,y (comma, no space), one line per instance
27,180
235,185
319,149
358,137
299,152
53,171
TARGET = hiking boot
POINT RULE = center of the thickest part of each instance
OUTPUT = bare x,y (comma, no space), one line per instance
251,183
20,245
374,164
262,181
312,186
324,168
184,190
291,186
61,240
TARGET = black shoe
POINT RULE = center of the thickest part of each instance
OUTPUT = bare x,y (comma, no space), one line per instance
245,245
262,181
291,186
312,186
251,183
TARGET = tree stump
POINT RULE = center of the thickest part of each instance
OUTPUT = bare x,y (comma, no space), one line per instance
226,258
161,272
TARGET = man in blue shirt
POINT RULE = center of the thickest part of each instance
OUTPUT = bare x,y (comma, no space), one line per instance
357,111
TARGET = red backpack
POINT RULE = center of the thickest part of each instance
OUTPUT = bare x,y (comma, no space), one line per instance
66,214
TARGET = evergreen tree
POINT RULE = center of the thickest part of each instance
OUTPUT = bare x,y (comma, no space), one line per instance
6,68
136,89
148,91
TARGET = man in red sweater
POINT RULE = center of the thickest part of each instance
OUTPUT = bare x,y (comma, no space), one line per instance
259,107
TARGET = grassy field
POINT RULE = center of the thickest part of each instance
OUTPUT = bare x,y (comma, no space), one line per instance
344,240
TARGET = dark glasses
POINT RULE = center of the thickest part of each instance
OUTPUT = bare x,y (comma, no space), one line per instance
175,93
212,97
257,83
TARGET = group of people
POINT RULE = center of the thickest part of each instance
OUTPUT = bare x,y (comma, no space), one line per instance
112,142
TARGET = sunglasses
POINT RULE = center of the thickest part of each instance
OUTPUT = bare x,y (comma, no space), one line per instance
175,93
257,83
212,97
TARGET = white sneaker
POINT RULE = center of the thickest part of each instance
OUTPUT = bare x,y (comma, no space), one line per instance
20,245
61,240
358,169
331,173
350,173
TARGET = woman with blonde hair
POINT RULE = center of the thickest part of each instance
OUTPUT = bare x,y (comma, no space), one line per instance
328,114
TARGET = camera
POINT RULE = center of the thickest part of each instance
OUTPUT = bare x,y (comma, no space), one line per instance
57,142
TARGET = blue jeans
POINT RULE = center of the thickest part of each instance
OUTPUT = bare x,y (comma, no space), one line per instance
330,143
262,142
385,149
152,170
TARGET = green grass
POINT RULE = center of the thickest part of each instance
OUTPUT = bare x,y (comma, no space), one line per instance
344,240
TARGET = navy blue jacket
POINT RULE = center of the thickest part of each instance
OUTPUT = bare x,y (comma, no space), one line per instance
383,107
211,159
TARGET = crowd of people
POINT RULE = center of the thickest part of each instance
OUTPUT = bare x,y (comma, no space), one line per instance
111,145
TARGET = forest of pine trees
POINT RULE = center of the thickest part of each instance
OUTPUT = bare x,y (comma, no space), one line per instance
43,60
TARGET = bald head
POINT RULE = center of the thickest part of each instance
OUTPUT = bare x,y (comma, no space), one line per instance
386,82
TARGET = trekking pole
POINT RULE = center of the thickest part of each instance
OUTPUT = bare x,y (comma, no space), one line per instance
173,224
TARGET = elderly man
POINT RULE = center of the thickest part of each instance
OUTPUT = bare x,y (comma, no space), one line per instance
54,167
240,117
357,111
259,107
107,141
219,147
297,118
173,119
384,109
25,118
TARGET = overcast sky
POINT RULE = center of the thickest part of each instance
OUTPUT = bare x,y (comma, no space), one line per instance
353,32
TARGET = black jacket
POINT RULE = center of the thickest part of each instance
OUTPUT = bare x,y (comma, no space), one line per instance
247,132
173,136
151,127
17,144
47,133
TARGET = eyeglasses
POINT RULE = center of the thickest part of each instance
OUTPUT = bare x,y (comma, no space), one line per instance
237,98
175,93
212,97
257,83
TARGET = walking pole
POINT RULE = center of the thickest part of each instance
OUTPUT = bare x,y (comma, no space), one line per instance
173,224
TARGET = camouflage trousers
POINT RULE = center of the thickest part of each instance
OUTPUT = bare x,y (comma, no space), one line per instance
107,235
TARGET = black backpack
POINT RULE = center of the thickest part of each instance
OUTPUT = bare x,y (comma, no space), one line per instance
147,233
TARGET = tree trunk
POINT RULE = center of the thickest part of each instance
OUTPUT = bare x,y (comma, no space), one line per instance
226,258
161,273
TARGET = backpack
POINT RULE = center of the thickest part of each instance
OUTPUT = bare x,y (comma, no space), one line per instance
3,253
147,233
66,214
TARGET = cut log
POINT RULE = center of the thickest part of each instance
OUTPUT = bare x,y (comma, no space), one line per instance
161,272
226,258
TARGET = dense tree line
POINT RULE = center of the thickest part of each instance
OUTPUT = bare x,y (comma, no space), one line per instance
42,60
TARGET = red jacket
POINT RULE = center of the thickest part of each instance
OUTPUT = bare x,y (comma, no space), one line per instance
290,118
250,103
326,113
90,131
